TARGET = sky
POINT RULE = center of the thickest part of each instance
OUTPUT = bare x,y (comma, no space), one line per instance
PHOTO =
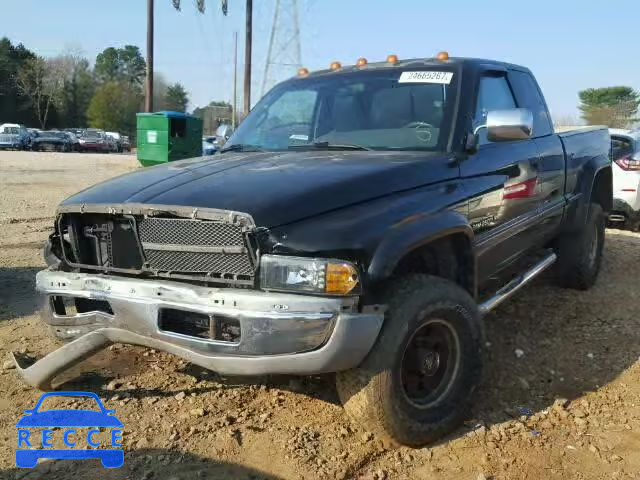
568,44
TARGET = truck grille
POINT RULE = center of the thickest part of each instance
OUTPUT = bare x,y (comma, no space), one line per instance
184,231
221,263
208,250
184,245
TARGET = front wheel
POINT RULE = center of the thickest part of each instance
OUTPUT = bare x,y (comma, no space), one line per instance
416,383
580,253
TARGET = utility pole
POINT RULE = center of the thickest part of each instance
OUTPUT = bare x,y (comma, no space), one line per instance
247,59
235,79
148,104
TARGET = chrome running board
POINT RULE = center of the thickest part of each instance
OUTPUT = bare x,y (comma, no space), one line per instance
516,284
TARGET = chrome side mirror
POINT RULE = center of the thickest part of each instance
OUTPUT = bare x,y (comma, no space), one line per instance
508,125
224,131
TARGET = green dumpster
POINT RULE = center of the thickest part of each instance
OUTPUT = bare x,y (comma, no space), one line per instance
168,136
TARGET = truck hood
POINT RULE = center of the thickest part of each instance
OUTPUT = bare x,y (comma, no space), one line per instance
275,188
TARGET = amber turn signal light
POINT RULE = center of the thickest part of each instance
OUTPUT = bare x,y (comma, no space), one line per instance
341,278
442,56
335,66
303,72
392,59
361,62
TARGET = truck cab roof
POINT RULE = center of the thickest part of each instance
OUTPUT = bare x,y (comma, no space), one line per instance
457,62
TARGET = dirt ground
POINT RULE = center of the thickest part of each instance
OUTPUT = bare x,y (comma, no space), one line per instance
560,396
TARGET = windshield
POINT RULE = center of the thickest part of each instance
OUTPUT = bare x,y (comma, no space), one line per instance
92,135
379,110
11,130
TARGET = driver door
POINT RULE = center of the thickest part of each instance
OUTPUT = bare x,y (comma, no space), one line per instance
504,212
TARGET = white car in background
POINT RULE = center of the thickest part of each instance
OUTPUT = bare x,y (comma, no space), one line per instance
625,153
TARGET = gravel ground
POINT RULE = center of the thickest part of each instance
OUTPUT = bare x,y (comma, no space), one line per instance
560,397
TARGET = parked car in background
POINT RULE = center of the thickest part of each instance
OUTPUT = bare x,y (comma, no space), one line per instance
625,153
32,134
93,141
75,141
13,136
52,140
112,144
76,131
209,145
116,140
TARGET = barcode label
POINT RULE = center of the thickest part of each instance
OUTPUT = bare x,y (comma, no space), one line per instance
443,78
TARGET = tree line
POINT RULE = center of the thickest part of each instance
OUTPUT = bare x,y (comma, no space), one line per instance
616,107
67,91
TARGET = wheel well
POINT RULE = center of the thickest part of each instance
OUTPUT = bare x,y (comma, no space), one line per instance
450,257
602,192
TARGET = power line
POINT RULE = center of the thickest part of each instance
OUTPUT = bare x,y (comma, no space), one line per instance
200,6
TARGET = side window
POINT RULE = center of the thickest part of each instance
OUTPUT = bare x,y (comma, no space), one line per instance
528,96
494,93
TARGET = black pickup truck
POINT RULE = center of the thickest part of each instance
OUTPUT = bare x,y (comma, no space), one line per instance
361,220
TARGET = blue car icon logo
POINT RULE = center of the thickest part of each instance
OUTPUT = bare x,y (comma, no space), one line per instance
68,419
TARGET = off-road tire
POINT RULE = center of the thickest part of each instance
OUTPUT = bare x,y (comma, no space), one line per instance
373,394
579,258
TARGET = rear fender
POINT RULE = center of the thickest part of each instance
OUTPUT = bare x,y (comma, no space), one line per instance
590,191
588,164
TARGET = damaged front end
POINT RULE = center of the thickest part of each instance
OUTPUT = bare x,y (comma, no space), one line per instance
201,245
184,280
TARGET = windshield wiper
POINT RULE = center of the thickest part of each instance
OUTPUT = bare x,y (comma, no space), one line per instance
328,146
242,147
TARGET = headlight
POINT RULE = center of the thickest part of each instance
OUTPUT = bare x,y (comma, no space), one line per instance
315,275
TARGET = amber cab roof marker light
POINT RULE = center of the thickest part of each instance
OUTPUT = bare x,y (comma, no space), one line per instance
335,66
303,72
361,62
392,58
443,56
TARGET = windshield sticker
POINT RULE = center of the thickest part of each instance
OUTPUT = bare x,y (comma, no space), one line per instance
302,138
443,78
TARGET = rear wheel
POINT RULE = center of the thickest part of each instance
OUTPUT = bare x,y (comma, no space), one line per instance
415,384
580,254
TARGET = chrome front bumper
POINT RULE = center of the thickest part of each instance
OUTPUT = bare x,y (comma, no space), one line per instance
279,333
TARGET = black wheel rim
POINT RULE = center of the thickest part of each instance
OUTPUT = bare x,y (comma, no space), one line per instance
430,363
